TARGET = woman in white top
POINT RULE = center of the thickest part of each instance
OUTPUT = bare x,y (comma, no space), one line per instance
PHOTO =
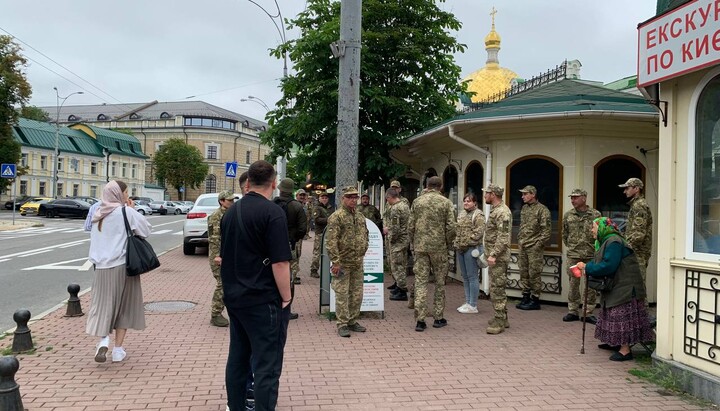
117,301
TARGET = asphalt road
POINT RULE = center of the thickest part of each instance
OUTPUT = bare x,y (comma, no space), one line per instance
37,264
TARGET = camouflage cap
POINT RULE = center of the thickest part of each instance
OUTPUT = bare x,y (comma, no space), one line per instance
529,189
350,191
365,194
226,195
578,192
323,194
287,185
395,184
633,182
300,191
495,189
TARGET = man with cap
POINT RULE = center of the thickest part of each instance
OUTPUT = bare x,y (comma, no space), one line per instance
431,229
395,228
302,197
370,211
226,199
580,247
638,230
497,253
385,216
297,226
347,242
321,212
534,232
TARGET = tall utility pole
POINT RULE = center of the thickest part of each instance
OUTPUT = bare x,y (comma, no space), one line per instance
348,51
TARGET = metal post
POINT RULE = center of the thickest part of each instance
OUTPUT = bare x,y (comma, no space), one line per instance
57,136
346,167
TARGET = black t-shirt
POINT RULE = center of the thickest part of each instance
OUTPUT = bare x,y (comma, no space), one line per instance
247,257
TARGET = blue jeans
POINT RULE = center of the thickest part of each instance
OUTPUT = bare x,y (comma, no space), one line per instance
470,275
260,330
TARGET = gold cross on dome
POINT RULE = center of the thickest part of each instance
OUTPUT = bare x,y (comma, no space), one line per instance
493,13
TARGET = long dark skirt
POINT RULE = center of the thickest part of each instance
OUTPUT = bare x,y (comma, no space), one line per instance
624,324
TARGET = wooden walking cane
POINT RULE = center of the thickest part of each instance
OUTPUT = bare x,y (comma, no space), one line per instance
582,347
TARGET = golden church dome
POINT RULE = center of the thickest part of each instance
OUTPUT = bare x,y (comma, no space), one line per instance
492,78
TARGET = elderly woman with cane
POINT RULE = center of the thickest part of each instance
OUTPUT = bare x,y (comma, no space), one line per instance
623,319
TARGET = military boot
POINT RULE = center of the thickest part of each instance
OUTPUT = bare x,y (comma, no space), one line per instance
219,321
496,326
400,294
524,302
504,321
534,304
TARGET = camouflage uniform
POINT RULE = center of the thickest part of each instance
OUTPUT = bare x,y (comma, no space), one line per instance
214,251
580,246
432,232
347,242
497,244
371,213
398,241
534,232
320,215
638,231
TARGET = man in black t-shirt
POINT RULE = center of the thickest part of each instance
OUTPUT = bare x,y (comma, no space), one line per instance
256,285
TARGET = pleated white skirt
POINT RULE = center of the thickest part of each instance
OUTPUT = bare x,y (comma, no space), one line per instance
117,302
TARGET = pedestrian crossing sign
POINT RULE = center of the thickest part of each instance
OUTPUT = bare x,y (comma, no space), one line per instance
8,171
230,169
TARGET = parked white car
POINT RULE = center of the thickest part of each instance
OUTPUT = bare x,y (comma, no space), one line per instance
182,206
164,207
195,229
142,208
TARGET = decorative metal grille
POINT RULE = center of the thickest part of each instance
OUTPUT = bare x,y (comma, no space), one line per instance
702,319
551,274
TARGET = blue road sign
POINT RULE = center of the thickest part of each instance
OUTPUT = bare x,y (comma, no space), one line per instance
8,171
231,169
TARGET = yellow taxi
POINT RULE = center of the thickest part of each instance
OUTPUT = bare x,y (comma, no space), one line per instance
32,206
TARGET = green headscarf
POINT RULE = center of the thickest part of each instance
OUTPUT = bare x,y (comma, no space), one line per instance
606,229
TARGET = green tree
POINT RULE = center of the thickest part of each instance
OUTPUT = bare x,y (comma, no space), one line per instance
34,113
15,92
409,81
180,165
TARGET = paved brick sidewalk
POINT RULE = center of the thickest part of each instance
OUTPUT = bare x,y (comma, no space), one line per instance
178,362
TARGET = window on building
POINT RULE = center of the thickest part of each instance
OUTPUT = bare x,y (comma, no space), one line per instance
23,188
102,117
133,171
609,198
133,192
93,191
76,190
474,181
24,159
60,187
113,168
211,184
93,167
43,162
706,190
42,188
211,151
124,169
74,164
60,164
450,185
543,173
165,114
248,155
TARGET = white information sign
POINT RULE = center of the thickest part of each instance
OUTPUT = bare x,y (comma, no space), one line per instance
683,40
373,282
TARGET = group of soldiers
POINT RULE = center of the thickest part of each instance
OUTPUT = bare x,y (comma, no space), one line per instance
428,229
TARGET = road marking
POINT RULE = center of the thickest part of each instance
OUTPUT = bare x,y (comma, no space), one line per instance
85,267
178,233
35,253
161,232
44,248
2,261
172,222
59,265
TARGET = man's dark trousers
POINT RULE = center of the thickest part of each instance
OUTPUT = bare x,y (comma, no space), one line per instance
260,330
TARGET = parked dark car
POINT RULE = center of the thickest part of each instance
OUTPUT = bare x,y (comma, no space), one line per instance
18,202
89,200
64,208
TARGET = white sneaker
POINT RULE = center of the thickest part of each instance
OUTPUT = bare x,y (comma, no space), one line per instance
462,307
101,349
118,354
468,310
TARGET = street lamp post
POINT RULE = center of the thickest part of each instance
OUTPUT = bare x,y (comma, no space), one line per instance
257,100
57,136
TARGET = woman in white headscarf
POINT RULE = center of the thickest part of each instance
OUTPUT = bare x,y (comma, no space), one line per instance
117,301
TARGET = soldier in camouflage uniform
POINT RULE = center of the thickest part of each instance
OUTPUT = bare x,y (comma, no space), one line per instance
302,198
497,253
432,232
580,247
393,185
321,212
638,230
226,199
370,211
347,242
534,232
396,226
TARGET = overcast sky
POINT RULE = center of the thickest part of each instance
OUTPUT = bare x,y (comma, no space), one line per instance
217,50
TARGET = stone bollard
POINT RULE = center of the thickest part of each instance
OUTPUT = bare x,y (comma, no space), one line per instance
22,341
73,306
10,399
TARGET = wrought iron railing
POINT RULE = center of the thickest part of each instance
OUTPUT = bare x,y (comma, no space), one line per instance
551,274
702,315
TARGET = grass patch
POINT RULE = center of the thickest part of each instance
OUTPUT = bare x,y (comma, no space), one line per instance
48,348
9,351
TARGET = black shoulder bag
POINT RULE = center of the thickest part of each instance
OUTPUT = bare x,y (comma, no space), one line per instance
140,256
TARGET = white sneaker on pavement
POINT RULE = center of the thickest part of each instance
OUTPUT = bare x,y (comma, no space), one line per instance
468,310
101,349
462,307
118,354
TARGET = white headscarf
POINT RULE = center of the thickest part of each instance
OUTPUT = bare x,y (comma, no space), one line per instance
112,198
